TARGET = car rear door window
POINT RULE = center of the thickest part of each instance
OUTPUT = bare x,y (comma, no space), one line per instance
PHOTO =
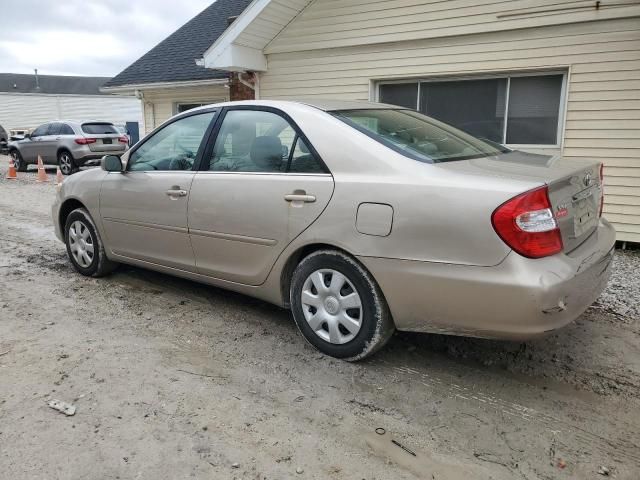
66,130
174,147
303,161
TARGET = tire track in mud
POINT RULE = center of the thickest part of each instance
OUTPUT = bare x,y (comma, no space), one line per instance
625,447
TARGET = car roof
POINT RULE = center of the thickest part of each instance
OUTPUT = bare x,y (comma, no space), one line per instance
327,105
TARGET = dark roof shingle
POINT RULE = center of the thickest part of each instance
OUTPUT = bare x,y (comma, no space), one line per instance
51,84
174,59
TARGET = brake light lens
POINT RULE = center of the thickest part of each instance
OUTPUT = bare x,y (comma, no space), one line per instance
527,225
85,141
601,189
123,139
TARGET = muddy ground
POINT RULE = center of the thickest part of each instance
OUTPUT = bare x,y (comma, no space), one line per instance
175,380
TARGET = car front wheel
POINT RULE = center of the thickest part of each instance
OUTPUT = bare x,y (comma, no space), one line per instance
66,163
84,246
338,307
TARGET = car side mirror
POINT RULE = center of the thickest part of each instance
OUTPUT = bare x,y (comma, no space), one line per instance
27,135
111,163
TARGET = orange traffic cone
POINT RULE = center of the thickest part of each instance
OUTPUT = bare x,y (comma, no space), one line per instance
59,177
42,174
11,174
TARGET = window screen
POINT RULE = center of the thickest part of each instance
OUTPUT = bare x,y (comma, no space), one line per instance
474,106
402,94
534,106
479,107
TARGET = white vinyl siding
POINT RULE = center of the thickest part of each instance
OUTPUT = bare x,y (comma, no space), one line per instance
161,104
30,110
602,112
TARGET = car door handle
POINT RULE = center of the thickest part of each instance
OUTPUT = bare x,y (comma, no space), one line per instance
175,192
300,197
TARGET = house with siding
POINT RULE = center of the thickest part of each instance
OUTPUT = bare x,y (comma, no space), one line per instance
27,101
167,78
538,75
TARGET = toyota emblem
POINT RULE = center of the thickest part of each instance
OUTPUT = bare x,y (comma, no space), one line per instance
587,180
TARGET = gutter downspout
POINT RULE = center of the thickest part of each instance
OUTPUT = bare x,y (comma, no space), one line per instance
140,96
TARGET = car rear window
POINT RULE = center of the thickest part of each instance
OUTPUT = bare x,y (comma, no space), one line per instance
417,136
99,128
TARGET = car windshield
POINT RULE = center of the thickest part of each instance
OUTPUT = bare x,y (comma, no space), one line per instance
418,136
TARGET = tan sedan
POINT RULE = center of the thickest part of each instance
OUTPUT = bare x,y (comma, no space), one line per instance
361,218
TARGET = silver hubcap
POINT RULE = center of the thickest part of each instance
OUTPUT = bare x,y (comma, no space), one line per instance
332,306
65,163
81,244
16,159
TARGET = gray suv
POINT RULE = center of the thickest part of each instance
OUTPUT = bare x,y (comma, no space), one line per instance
68,144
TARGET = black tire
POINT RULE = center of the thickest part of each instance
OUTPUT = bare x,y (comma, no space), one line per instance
376,324
66,162
18,161
99,264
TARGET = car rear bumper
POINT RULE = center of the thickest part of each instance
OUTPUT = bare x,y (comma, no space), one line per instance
518,299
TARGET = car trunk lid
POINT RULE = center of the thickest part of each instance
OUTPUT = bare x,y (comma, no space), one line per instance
574,186
106,137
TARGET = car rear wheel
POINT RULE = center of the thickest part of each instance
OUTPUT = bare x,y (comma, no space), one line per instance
84,246
18,161
66,163
338,307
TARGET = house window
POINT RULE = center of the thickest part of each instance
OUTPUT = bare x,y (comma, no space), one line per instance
183,107
514,110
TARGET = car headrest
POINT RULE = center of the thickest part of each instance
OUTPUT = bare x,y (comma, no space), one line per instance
266,152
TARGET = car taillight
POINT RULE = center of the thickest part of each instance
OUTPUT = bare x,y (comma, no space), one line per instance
526,224
85,141
123,139
601,189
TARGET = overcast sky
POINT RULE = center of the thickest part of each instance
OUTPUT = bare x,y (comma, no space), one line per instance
86,37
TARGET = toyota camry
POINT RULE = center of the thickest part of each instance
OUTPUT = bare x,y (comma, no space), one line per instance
361,218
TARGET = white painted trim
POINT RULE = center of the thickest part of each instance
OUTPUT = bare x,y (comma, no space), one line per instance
236,58
150,86
218,52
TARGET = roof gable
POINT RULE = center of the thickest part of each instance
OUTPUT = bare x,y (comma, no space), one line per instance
241,46
174,59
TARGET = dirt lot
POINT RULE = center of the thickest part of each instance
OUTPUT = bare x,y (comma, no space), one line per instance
172,379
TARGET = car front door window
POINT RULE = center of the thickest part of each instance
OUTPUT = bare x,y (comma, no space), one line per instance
173,148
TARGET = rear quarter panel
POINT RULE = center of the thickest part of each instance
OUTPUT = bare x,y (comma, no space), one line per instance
439,215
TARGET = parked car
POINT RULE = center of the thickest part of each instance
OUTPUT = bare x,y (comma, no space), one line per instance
360,217
122,130
4,140
68,144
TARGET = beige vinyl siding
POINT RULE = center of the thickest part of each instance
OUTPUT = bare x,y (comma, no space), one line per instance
341,23
160,104
602,118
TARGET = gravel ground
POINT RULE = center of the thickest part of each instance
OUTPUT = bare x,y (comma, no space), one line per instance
172,379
